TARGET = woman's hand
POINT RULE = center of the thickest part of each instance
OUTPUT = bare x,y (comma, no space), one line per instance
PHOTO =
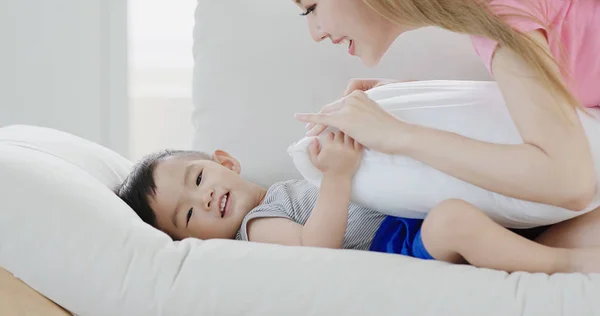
358,85
362,119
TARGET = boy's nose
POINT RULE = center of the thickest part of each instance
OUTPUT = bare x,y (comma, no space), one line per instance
205,198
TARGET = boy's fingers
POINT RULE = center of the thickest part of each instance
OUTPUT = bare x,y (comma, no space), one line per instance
347,140
313,150
358,146
331,135
339,136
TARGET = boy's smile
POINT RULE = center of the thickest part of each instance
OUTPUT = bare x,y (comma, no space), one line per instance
202,198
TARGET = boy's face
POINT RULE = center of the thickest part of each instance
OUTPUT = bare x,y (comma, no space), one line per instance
205,199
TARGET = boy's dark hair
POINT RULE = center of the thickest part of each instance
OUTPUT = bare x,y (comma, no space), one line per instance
139,186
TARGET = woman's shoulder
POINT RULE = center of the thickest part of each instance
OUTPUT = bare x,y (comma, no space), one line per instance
545,10
525,16
568,26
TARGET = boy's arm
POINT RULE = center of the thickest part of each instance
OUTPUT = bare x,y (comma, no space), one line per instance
327,224
275,230
326,227
338,157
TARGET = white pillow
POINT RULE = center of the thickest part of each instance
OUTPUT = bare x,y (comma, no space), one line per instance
400,186
106,166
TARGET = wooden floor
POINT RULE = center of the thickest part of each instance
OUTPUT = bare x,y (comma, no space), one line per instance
18,299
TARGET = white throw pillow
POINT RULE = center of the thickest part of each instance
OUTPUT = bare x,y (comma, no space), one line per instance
400,186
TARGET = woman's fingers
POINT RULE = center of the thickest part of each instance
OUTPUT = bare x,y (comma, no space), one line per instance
331,107
316,131
320,121
316,118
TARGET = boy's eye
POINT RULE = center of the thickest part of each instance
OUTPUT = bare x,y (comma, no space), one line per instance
189,215
199,179
310,10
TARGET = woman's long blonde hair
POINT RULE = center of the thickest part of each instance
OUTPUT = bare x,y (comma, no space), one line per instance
475,17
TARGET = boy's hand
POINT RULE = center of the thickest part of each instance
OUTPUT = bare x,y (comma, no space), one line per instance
336,153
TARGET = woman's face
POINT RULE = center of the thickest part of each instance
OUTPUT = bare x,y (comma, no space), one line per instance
352,23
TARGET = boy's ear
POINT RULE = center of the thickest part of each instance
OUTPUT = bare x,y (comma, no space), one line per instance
226,160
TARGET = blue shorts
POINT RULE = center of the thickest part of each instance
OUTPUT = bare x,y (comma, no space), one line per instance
403,236
400,236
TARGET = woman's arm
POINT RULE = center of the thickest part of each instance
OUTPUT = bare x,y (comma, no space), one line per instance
553,166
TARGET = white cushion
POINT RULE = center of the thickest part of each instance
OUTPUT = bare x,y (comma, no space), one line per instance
258,66
400,186
64,233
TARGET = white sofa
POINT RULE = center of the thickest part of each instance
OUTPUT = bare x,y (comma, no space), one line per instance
65,234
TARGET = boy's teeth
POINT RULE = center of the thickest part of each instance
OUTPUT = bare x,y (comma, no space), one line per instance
224,202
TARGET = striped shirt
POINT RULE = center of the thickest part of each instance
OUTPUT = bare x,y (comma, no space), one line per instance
295,201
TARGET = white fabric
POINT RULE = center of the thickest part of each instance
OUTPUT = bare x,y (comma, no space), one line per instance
258,66
400,186
64,233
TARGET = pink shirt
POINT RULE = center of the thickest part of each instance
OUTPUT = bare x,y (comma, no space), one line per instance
574,24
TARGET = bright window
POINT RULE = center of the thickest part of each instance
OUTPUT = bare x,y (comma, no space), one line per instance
160,67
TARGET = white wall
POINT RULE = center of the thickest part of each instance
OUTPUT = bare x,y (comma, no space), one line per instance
63,64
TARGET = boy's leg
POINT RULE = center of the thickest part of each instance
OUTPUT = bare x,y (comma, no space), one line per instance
456,231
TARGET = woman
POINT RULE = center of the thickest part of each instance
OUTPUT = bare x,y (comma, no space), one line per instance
543,55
